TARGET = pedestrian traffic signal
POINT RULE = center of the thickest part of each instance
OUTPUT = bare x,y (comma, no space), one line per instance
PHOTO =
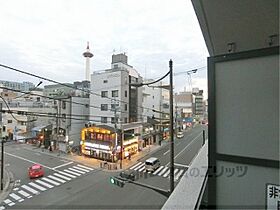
116,181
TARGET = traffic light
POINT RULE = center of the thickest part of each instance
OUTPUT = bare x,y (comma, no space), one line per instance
116,181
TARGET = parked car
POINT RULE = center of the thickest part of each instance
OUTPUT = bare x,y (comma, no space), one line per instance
35,171
128,174
180,134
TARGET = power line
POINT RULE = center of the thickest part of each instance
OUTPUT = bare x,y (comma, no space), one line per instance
65,85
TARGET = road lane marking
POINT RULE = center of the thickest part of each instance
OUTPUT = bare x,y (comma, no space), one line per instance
166,174
86,167
25,194
37,186
30,189
44,183
163,171
7,201
166,152
11,204
2,207
57,179
82,169
75,170
158,170
182,165
66,174
142,169
16,197
51,181
136,165
71,172
175,171
65,164
179,174
28,160
184,148
61,176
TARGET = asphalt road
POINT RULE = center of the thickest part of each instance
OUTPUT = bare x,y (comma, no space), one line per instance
90,188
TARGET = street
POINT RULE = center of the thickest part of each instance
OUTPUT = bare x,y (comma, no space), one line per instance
71,185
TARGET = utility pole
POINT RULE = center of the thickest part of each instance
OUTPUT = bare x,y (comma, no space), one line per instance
2,148
171,127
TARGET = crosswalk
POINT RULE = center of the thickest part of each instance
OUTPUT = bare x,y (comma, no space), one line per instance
43,184
162,171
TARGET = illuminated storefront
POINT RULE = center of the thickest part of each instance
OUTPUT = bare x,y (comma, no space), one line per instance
99,142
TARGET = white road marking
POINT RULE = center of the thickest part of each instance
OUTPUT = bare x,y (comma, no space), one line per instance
163,171
136,165
28,160
66,174
82,169
175,171
142,169
44,183
91,169
167,173
15,196
179,174
166,152
25,194
57,179
30,189
61,176
2,207
11,204
71,172
37,186
182,165
7,201
16,189
184,148
51,181
65,164
158,170
75,170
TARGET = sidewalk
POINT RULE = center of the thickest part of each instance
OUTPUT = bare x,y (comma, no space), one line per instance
94,163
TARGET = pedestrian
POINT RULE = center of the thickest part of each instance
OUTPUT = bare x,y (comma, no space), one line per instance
129,156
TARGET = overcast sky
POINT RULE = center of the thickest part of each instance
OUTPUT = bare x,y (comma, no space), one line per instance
48,38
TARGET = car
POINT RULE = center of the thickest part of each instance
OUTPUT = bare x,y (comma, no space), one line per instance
128,174
180,134
152,164
35,171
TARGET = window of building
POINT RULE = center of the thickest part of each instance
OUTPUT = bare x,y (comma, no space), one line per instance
105,81
115,93
115,66
63,117
113,120
114,106
4,128
10,121
125,93
104,107
103,119
125,120
125,107
63,104
104,94
38,99
153,97
22,123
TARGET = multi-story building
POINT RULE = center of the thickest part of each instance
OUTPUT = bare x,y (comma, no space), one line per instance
198,107
184,108
67,89
24,86
111,90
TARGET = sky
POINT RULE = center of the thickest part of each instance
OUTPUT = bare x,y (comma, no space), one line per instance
48,38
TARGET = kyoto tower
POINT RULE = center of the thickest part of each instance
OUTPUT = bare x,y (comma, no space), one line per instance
87,55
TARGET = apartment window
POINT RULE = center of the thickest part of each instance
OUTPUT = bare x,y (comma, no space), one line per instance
22,123
38,99
113,120
105,81
63,104
114,106
115,93
125,93
103,119
125,120
4,128
63,117
125,107
10,121
104,107
115,66
153,97
104,94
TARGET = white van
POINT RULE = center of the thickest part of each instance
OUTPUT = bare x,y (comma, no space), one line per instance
152,164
